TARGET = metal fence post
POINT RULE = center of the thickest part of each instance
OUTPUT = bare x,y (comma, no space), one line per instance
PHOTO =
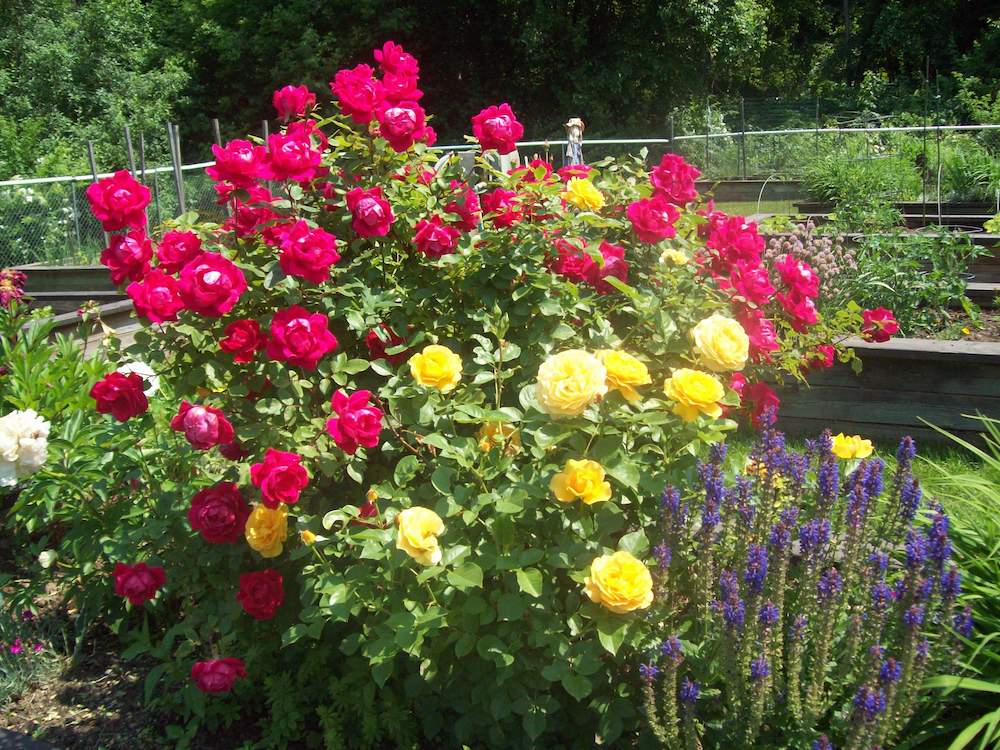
131,153
743,139
216,132
671,131
175,158
76,214
708,129
93,171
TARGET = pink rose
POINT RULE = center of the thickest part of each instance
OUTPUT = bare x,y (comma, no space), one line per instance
281,477
176,249
750,282
138,583
761,332
821,358
119,202
465,206
308,252
357,423
798,276
239,163
217,675
673,178
127,256
300,337
429,136
614,266
120,395
293,101
243,339
653,219
261,593
379,339
295,154
253,216
219,513
434,238
400,123
372,214
157,297
581,171
395,60
496,127
359,93
734,240
801,309
738,382
879,325
573,261
503,207
760,398
211,285
204,426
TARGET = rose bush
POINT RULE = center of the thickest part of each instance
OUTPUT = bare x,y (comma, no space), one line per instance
419,371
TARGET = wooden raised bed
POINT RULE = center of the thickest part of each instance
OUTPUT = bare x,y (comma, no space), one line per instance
750,190
66,288
903,381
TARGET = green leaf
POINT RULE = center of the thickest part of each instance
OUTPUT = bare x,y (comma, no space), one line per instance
534,722
354,366
467,575
636,543
625,472
529,580
406,470
510,607
611,634
576,685
441,479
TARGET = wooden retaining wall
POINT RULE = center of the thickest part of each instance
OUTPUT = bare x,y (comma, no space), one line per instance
903,381
66,288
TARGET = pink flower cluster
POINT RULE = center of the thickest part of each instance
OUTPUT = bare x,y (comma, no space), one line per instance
573,262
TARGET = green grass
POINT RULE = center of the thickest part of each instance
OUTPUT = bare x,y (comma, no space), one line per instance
747,208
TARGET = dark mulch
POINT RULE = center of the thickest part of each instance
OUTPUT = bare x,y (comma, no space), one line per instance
960,327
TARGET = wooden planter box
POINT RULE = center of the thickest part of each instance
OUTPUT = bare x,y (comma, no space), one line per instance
66,288
904,381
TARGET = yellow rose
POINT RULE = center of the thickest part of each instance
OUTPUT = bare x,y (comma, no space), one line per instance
721,343
676,257
436,367
619,582
695,393
851,446
568,382
582,194
581,480
266,530
493,434
623,372
417,535
307,537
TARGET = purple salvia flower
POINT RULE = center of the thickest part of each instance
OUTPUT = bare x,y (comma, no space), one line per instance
734,613
768,615
814,535
880,561
798,629
910,495
663,555
729,587
823,743
824,443
882,596
672,508
963,622
672,649
906,451
689,691
869,702
857,502
913,617
890,671
767,418
759,669
648,672
717,453
798,464
923,590
874,481
828,481
829,585
899,589
756,572
938,543
916,549
951,584
923,650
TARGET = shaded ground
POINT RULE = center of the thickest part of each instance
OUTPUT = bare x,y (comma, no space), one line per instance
961,327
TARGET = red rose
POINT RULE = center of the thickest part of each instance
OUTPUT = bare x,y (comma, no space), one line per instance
526,172
300,337
760,331
128,256
372,214
176,249
429,136
119,202
434,238
211,285
821,358
503,207
243,339
760,397
573,261
203,426
798,276
879,325
581,171
394,60
465,206
217,675
157,297
673,178
308,252
234,451
239,163
749,282
219,513
357,422
400,123
734,240
261,593
359,93
379,339
120,395
653,219
253,216
293,101
614,265
138,583
281,477
801,309
497,127
295,154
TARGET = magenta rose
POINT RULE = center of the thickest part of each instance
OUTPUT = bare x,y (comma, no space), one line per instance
211,285
401,123
203,426
293,101
734,240
572,261
300,337
253,216
761,332
119,202
798,276
157,297
434,238
372,214
120,395
358,92
394,60
176,249
465,205
261,593
308,252
750,282
580,171
127,256
614,266
239,163
821,357
496,127
801,310
295,154
243,339
653,219
138,583
760,397
879,325
503,207
219,513
281,477
217,675
356,422
673,178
